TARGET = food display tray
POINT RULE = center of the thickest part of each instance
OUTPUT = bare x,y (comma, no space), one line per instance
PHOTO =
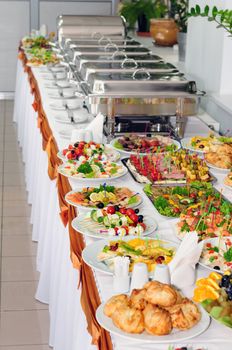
164,184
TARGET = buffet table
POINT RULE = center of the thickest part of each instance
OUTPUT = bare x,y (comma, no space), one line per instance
72,306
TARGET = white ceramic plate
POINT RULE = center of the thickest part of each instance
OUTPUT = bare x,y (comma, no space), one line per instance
66,94
221,170
175,336
61,84
186,143
81,118
112,155
79,225
92,250
129,153
228,187
92,179
65,134
135,205
60,107
215,242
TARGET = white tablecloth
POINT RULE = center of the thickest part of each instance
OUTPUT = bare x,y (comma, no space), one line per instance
58,280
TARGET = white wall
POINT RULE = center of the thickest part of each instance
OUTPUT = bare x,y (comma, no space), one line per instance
49,10
14,24
209,51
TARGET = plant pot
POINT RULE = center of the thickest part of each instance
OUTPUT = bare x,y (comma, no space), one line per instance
164,31
143,25
181,38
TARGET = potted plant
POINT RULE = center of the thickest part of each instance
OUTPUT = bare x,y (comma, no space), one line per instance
141,11
223,18
179,12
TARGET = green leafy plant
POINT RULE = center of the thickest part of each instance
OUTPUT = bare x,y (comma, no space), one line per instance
223,18
179,12
132,9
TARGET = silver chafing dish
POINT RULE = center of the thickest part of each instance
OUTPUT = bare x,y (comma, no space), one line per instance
70,26
115,58
107,51
128,65
128,84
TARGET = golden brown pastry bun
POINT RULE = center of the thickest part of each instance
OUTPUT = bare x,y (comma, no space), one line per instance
160,294
115,302
184,315
157,321
137,299
128,319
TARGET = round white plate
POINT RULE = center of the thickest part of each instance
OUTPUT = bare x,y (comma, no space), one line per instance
175,336
92,179
60,107
214,241
63,84
81,118
81,227
135,205
228,187
186,143
175,142
221,170
92,250
67,93
113,155
65,134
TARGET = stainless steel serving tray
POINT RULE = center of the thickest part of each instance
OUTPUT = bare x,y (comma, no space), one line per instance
119,59
111,51
126,66
102,42
139,80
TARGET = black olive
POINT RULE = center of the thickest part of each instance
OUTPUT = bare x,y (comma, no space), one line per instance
140,218
73,151
116,207
136,211
216,268
100,205
76,144
201,146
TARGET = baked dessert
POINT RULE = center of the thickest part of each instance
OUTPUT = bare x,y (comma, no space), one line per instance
137,299
157,321
184,315
128,319
220,156
160,294
115,302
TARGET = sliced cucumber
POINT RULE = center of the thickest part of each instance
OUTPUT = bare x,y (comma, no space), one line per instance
94,215
106,221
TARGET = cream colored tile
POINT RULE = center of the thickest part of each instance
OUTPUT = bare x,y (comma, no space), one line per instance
14,193
26,347
16,208
19,269
18,245
16,225
20,296
11,179
24,327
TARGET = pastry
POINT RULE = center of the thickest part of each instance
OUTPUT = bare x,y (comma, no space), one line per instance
115,302
157,321
184,315
128,319
228,179
160,294
137,299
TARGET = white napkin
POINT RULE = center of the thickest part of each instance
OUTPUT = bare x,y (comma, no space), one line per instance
96,126
182,267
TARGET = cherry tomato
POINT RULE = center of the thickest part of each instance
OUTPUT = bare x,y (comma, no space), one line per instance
134,218
69,155
110,209
123,211
70,147
64,151
130,212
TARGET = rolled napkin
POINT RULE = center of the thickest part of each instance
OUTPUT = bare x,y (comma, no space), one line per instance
96,126
182,267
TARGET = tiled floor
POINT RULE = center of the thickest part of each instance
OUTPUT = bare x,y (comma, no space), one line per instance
24,321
